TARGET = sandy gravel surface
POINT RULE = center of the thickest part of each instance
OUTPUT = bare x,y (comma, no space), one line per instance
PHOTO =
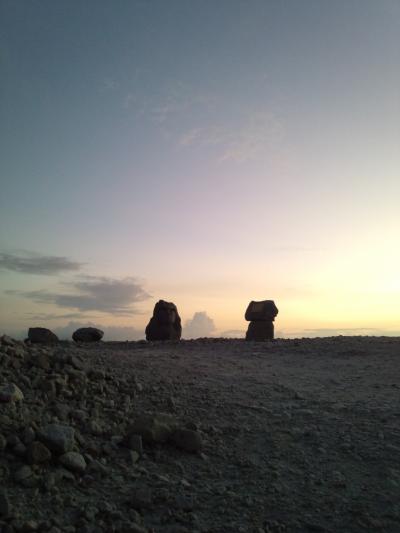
296,436
300,435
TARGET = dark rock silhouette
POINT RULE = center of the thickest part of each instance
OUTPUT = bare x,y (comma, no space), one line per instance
42,336
261,316
87,335
165,324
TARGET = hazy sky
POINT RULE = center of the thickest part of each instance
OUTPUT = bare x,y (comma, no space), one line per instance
207,152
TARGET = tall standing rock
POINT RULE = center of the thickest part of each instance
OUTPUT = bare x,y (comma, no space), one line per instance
261,316
165,324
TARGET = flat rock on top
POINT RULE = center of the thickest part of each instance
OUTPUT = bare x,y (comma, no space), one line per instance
265,310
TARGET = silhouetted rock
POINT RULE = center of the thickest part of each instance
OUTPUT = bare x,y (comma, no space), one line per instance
42,336
87,335
261,316
165,324
265,310
260,331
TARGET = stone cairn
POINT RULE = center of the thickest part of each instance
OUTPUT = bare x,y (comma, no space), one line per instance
261,316
165,324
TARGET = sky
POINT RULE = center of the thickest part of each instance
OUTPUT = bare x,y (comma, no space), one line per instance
207,153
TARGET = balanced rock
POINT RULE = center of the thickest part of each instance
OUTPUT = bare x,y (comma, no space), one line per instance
87,335
165,324
261,316
42,336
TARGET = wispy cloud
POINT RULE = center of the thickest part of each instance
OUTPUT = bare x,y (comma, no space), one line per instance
106,295
53,316
178,98
31,263
258,134
201,325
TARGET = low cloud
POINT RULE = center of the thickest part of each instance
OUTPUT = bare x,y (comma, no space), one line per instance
111,333
106,295
44,265
233,333
334,332
201,325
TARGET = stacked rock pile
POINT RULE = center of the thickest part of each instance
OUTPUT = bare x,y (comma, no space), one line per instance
165,324
261,316
69,440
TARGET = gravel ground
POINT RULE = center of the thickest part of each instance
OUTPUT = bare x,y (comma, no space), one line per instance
296,436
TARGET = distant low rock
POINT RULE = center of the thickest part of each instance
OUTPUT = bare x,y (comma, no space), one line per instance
165,324
87,335
42,336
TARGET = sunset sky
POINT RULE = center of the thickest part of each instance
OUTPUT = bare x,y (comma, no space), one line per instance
205,152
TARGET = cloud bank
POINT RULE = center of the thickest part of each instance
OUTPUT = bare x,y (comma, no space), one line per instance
233,333
44,265
107,295
201,325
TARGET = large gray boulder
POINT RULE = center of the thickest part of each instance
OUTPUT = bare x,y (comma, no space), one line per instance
42,336
87,335
165,324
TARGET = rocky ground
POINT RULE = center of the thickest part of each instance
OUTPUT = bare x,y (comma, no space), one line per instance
201,436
